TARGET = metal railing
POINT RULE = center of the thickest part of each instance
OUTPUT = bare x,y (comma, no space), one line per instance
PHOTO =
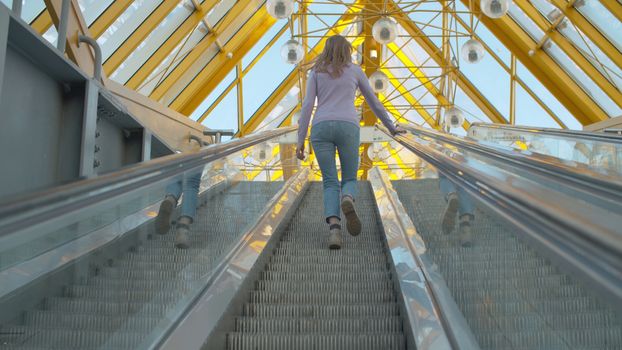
585,240
37,207
574,134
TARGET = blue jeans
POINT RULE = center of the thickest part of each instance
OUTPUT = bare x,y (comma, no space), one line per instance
344,137
189,186
465,205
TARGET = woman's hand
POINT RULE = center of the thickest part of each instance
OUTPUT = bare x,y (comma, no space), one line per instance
398,130
300,152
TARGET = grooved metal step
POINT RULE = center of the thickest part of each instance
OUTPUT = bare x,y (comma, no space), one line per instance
310,297
512,297
123,301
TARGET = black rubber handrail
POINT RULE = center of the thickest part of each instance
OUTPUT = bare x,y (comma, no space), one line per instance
585,249
583,179
39,206
565,133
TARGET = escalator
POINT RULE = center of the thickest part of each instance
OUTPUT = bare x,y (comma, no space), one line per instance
310,297
82,268
133,291
512,296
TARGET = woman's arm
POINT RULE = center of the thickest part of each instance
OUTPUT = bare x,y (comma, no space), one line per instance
373,101
307,108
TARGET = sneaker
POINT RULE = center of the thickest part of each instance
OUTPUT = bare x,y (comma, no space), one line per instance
466,234
182,241
163,220
449,217
334,239
353,223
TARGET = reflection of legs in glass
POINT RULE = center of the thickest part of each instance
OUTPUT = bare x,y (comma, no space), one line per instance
188,210
163,220
458,204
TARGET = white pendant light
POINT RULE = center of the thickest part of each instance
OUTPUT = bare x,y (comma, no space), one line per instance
379,81
453,117
384,30
292,52
280,9
495,8
472,51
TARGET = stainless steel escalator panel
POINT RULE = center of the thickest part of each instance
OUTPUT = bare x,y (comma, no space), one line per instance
434,319
192,331
511,296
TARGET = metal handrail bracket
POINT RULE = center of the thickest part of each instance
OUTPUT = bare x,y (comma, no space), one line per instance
434,320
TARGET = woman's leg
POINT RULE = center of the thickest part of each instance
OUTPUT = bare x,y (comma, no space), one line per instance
324,149
347,138
348,141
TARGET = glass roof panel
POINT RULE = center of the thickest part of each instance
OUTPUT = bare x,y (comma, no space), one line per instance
207,103
604,20
264,73
91,9
153,41
133,16
586,83
586,46
224,116
549,100
529,112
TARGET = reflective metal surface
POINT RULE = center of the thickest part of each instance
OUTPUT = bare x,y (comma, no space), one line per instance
435,321
192,331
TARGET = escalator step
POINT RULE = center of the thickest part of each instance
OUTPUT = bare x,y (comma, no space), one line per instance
315,341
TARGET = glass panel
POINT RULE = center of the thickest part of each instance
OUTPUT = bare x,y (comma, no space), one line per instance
121,29
511,295
262,80
585,45
225,115
91,9
529,112
539,90
281,111
132,282
604,20
261,44
31,9
154,40
586,83
213,96
51,35
603,157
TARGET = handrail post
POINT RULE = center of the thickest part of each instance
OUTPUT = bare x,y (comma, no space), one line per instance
17,8
97,73
62,26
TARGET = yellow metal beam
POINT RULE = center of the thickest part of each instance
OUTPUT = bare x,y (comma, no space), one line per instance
255,120
146,27
434,52
541,65
42,23
589,29
234,15
108,17
218,68
583,63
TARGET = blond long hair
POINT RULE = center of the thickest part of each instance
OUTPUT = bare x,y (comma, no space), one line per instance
336,56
